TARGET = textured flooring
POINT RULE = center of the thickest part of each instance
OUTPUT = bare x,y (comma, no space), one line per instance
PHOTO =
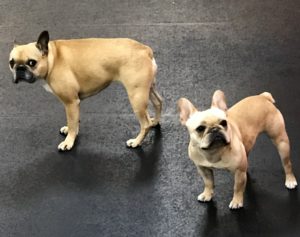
101,188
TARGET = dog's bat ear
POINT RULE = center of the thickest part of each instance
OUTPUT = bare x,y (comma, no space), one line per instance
42,42
186,109
219,100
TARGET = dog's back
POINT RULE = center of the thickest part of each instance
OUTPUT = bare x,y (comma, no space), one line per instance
97,51
249,113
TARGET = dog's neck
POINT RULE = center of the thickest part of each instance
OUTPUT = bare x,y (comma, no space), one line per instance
51,56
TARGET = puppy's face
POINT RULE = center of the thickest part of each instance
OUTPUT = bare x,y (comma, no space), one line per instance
29,62
209,129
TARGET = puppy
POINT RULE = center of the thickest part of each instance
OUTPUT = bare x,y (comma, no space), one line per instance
222,139
77,69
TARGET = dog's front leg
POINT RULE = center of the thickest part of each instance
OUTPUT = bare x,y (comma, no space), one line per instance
208,178
72,113
240,179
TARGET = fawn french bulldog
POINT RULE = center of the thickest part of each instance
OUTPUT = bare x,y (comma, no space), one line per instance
78,68
222,138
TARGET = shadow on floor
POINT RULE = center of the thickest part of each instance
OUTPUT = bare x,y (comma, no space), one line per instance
268,215
82,170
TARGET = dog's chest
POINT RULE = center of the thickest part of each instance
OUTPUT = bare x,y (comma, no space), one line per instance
48,88
216,161
202,161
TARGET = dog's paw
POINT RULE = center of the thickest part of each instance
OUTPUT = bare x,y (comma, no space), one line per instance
132,143
65,146
64,130
236,204
291,182
204,197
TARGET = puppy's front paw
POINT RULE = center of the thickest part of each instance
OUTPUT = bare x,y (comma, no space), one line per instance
64,130
236,203
65,145
291,182
205,197
132,143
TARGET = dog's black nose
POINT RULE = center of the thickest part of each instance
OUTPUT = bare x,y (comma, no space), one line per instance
213,130
21,68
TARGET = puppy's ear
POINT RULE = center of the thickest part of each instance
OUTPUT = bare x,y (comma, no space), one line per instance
186,109
219,100
42,42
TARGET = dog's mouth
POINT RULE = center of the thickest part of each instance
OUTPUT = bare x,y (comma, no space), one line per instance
217,140
22,74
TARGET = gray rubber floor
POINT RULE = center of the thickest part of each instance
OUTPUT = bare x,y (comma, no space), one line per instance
101,188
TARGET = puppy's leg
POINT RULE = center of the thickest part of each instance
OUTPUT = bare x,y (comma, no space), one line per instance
281,141
72,112
157,103
208,178
240,179
139,98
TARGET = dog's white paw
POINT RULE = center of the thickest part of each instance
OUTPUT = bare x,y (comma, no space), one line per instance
204,197
235,204
65,146
291,182
132,143
64,130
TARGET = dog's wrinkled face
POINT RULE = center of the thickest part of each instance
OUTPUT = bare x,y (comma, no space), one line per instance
209,129
29,62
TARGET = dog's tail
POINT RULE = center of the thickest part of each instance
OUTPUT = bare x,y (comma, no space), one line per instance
154,66
268,96
151,56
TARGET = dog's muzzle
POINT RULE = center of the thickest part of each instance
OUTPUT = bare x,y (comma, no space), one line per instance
23,74
216,139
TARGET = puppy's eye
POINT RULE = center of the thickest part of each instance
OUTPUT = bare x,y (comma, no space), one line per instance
201,128
223,123
31,62
12,63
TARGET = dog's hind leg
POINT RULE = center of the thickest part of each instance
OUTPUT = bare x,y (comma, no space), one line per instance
139,99
155,97
157,104
280,139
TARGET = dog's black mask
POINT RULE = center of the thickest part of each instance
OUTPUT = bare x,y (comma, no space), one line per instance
23,74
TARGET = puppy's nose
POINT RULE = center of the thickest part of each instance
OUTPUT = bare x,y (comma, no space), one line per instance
214,130
20,68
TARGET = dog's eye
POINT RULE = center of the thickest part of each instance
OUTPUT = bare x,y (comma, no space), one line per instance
201,128
12,63
223,123
31,62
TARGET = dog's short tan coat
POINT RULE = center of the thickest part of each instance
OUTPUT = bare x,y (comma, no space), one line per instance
218,144
76,69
